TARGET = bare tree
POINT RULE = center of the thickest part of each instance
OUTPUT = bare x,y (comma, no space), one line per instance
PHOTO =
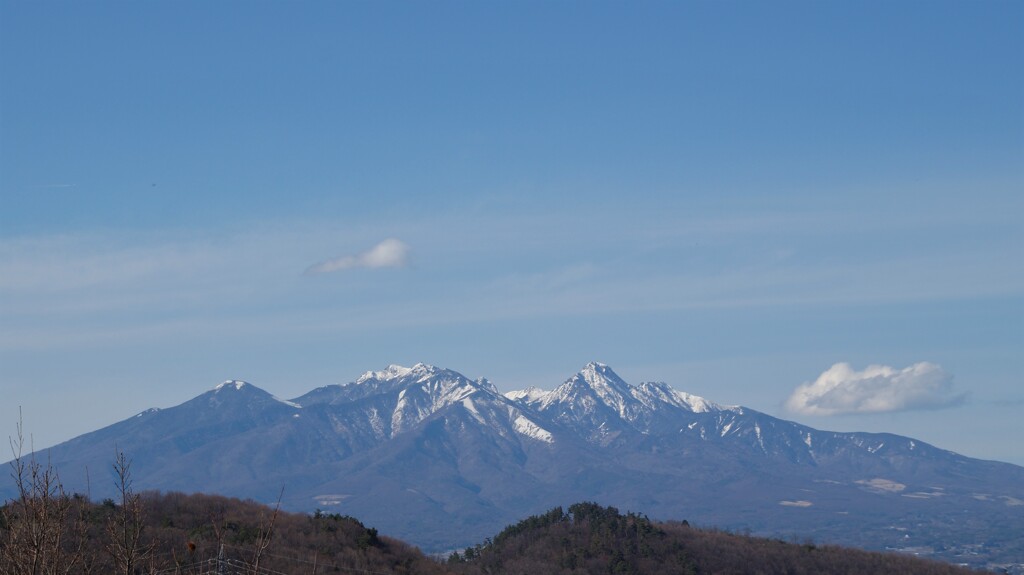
124,527
42,536
264,536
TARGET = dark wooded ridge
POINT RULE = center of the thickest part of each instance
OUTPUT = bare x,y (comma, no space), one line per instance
187,534
179,533
591,539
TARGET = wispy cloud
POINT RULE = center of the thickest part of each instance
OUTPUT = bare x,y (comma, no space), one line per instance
59,290
55,186
877,389
390,253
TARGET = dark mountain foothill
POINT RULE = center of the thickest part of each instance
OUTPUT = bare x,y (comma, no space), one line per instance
157,533
590,538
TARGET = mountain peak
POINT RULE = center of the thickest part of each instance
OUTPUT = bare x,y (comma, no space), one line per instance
244,391
238,392
232,384
528,395
484,383
395,371
651,393
602,379
595,384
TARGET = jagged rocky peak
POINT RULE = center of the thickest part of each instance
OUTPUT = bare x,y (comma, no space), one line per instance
598,382
432,380
484,383
652,393
595,384
394,371
594,380
600,377
528,395
420,373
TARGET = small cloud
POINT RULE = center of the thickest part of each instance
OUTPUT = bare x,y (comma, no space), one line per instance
877,389
390,253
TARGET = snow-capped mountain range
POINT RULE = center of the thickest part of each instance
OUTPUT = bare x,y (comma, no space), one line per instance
431,456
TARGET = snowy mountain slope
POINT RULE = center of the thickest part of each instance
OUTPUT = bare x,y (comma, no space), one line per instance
597,403
429,455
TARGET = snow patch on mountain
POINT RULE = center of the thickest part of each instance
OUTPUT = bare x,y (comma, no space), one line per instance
148,411
652,394
471,408
288,403
231,383
392,372
532,430
531,394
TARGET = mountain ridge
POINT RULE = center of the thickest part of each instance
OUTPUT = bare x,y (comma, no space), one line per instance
439,459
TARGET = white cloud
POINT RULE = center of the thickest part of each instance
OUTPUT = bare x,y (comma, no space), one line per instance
876,389
390,253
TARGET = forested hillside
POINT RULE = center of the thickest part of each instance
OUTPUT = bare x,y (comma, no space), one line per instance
195,534
192,534
591,539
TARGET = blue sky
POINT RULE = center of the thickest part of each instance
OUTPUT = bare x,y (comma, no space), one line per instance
731,197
